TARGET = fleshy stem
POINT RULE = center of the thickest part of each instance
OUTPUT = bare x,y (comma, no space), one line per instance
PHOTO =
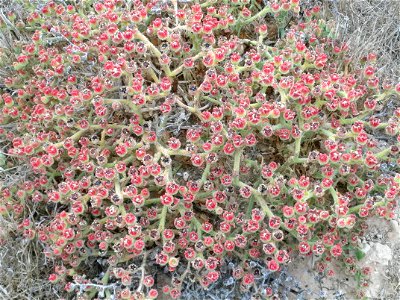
206,172
357,207
104,281
179,69
260,200
142,269
79,133
334,195
236,164
163,216
297,147
383,153
119,193
260,14
154,49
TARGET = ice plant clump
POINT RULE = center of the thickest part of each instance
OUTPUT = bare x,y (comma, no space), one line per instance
187,132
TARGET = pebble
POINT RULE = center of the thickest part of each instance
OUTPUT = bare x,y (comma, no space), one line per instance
378,253
394,234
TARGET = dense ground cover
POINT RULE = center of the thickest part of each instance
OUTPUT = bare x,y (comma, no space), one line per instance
192,138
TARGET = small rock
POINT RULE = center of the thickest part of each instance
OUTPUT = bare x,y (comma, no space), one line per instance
394,234
377,256
379,253
365,247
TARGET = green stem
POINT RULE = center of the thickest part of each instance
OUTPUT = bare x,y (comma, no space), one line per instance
117,185
236,164
212,100
299,160
356,208
190,109
259,198
197,224
152,201
153,49
268,212
153,75
260,14
167,152
250,207
292,160
297,147
79,133
179,69
106,277
358,118
329,134
161,225
384,153
206,172
334,195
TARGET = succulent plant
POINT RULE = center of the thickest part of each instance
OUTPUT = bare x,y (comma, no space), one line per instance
187,132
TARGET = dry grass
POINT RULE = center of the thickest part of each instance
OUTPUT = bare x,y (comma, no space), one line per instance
369,26
10,37
23,268
24,271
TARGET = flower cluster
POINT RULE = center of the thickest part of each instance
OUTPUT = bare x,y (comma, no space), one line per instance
188,132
